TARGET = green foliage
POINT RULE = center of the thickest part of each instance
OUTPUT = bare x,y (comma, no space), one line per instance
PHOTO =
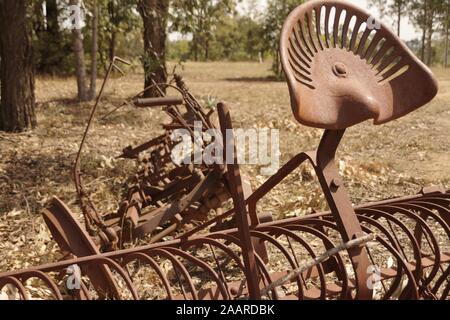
276,13
200,19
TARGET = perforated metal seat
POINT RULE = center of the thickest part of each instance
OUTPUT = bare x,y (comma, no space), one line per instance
344,67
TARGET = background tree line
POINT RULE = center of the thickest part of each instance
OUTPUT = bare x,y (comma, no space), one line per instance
38,37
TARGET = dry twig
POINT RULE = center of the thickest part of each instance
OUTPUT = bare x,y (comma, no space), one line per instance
313,262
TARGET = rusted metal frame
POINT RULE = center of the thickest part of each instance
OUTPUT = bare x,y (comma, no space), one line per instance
72,239
192,102
176,186
341,207
235,181
131,153
148,222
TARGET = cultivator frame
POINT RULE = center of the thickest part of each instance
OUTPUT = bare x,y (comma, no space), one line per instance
408,256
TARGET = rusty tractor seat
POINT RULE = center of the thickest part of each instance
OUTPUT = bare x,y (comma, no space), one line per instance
343,67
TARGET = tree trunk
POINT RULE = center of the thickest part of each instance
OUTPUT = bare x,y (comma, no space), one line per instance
195,47
447,21
80,66
430,21
206,50
93,87
399,16
17,112
112,45
113,39
154,14
424,31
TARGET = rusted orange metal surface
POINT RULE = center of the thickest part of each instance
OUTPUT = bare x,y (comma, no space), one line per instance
340,72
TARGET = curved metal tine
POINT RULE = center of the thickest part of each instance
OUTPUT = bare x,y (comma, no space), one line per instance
101,260
280,247
319,225
415,244
288,239
16,283
264,275
444,278
295,259
426,212
222,275
429,207
291,235
375,223
390,217
412,287
433,244
389,247
177,265
46,279
199,263
230,253
141,256
412,215
339,265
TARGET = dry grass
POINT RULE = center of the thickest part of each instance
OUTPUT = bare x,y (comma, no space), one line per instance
378,162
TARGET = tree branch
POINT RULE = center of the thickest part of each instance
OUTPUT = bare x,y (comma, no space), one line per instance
313,262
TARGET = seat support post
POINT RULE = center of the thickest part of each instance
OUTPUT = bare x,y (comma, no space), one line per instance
341,207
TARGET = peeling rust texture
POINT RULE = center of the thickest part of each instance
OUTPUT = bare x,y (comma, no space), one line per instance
338,75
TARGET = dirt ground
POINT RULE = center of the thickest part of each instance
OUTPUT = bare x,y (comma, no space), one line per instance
376,161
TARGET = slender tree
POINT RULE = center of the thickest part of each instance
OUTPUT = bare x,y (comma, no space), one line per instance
276,13
392,8
155,15
94,50
446,32
78,50
17,111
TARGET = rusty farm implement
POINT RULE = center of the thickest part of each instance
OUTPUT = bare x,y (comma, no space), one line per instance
340,72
